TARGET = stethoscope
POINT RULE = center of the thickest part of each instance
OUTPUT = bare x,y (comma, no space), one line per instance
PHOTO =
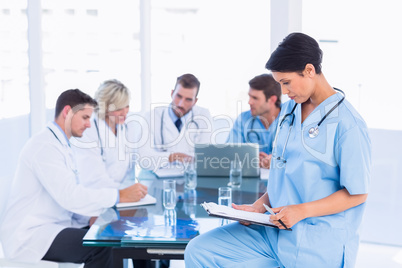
71,165
313,131
100,140
252,131
191,121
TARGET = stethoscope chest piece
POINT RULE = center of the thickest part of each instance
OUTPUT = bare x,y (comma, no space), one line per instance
313,132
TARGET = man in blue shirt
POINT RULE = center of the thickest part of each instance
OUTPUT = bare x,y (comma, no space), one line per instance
258,125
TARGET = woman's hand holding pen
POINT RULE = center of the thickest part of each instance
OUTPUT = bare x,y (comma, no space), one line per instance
289,215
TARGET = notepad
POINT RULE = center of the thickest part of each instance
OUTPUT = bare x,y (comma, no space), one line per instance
147,200
170,172
225,212
264,174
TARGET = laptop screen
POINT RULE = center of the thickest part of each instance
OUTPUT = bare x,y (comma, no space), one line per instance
214,159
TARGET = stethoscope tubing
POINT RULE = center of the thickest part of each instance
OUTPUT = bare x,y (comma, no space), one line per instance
251,130
71,165
313,132
100,140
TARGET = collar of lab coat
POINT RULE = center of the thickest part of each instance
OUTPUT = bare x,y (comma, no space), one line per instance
103,127
60,135
174,117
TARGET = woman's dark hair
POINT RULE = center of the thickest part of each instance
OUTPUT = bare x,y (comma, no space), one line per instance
294,52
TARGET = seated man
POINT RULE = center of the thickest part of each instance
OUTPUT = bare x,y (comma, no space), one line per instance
42,218
258,125
172,131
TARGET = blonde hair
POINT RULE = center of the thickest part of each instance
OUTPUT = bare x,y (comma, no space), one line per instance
111,95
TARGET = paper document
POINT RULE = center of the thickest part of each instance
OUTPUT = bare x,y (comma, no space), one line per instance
170,172
147,200
225,212
264,173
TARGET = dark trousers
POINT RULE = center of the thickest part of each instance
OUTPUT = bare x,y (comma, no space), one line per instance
67,247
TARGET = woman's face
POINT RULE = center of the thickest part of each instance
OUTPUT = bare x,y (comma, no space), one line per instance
298,88
118,116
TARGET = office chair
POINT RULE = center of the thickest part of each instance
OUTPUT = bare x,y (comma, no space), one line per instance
5,182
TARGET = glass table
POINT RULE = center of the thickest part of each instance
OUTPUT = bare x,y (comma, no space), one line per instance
152,232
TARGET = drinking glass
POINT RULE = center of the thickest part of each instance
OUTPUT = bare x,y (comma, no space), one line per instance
225,199
190,176
235,173
169,194
225,196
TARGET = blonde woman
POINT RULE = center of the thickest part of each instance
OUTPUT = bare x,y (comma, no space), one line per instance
103,155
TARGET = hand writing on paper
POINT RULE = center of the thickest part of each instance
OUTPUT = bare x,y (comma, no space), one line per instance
289,215
133,193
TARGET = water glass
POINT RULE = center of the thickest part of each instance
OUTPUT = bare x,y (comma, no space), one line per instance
190,202
190,176
169,194
235,173
170,217
225,199
225,196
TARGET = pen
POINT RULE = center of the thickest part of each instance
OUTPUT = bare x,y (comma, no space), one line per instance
272,213
137,180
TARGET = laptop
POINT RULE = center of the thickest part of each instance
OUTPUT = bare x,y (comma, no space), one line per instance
213,160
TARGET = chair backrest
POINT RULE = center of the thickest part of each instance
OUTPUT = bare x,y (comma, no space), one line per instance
40,264
5,185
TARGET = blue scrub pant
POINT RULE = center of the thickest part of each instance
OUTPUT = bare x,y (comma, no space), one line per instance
233,245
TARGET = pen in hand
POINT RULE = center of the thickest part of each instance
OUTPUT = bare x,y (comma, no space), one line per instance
272,213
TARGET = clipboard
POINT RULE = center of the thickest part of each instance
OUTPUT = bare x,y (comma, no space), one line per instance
229,213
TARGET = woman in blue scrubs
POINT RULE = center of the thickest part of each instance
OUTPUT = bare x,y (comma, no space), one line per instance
319,177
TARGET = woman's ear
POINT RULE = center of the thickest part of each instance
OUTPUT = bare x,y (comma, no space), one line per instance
309,70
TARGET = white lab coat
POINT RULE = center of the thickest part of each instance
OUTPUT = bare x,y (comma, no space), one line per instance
155,153
45,196
97,170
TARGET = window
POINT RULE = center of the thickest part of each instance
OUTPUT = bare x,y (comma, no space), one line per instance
14,89
361,54
224,43
86,43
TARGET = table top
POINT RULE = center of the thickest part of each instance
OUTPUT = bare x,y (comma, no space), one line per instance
152,226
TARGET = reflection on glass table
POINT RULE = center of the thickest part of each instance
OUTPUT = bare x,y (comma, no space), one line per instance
153,226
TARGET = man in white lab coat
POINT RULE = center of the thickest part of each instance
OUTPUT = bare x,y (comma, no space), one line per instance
41,220
172,131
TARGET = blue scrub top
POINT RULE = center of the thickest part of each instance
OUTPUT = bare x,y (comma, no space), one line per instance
339,157
249,129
